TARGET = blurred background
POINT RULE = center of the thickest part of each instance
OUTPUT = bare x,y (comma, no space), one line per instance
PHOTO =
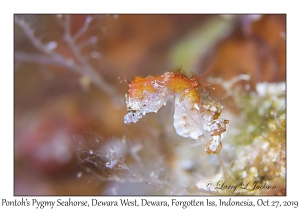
69,104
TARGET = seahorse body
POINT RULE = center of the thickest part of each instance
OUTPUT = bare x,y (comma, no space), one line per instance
192,117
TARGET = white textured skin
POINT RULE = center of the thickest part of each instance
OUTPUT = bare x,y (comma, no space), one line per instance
214,144
186,119
152,102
